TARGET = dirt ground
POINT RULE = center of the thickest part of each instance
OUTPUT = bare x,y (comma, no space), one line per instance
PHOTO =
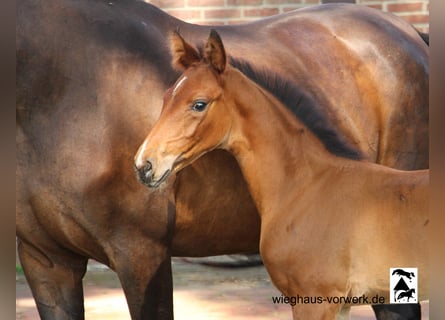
200,292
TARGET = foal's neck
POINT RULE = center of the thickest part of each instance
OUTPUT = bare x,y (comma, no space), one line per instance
277,153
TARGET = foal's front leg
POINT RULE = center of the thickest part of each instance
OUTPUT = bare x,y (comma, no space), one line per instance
409,311
322,311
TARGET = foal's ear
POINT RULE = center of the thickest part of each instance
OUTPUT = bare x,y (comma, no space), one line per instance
184,55
215,53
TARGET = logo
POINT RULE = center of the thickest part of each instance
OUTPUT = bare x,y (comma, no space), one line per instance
403,285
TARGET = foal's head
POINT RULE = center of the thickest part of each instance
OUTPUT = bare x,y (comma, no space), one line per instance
194,118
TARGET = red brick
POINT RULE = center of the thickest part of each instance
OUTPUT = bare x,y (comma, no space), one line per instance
185,14
205,3
239,21
416,18
425,29
222,13
168,3
287,9
211,23
404,7
278,2
244,2
375,6
265,12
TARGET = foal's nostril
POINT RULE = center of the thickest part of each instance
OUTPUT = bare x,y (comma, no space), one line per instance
148,165
145,173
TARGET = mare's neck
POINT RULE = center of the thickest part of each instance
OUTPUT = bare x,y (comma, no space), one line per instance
277,153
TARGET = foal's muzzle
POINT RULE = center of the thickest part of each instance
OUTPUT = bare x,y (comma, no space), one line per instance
146,175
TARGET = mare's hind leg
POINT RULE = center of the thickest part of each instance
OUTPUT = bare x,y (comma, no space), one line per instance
146,279
397,311
55,282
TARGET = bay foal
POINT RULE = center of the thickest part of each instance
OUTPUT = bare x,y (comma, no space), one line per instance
330,226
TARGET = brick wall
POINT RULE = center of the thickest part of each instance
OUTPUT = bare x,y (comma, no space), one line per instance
415,12
214,12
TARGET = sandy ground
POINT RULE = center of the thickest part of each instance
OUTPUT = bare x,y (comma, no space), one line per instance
200,292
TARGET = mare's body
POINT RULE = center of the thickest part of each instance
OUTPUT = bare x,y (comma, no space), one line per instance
90,80
330,226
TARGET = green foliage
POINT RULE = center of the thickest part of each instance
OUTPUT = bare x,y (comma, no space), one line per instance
18,269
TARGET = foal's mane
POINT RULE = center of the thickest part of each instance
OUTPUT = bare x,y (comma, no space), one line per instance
302,106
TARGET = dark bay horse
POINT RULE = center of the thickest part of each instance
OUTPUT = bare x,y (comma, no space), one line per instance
330,226
90,81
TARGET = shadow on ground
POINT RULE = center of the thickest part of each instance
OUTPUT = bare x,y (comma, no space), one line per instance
200,292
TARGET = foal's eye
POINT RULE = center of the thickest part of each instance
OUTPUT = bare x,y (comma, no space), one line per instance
199,105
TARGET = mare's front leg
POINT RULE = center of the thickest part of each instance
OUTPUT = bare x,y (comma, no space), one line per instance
146,279
55,279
